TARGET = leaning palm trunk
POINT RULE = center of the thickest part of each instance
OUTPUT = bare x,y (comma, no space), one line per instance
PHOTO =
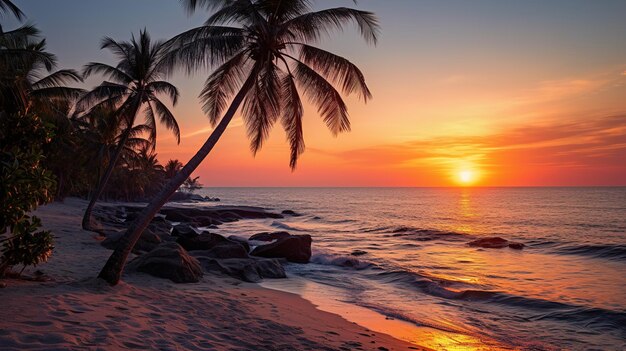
112,270
87,223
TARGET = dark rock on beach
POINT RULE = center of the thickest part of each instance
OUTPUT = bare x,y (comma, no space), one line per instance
294,248
241,241
495,243
147,242
184,231
246,269
171,261
225,249
203,241
269,236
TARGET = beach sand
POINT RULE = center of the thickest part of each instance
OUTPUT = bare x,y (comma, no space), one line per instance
73,310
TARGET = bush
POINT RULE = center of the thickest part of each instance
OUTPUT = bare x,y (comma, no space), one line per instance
24,184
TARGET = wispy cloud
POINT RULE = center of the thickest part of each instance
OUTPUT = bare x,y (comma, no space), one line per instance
546,146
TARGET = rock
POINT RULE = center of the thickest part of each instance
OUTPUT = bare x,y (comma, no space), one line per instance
204,241
269,236
291,213
246,269
219,213
294,248
516,246
185,231
205,221
3,285
241,241
226,249
171,261
358,253
147,242
490,243
178,216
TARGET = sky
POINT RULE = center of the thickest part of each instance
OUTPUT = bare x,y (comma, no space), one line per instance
481,92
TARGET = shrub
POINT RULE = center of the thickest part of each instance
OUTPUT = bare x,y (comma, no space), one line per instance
24,184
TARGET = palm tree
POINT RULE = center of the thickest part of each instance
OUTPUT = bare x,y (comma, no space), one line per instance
172,167
24,62
133,87
261,60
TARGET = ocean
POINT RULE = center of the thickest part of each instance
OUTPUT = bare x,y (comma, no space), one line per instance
417,278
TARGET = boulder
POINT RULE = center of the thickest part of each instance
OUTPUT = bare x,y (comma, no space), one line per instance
147,242
183,231
269,236
241,241
226,249
291,213
495,243
171,261
246,269
294,248
204,241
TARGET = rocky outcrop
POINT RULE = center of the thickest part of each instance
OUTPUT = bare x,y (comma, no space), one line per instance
294,248
203,241
269,236
225,249
184,231
495,243
246,269
216,215
147,242
171,261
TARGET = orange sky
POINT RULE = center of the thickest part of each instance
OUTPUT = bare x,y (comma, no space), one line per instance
519,93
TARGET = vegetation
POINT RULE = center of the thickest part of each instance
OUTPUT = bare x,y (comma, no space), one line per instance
24,184
262,63
132,87
263,58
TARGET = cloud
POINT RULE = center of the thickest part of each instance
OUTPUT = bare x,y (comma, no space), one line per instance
550,146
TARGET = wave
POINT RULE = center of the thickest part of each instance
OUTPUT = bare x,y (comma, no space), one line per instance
607,251
597,318
414,233
347,261
285,226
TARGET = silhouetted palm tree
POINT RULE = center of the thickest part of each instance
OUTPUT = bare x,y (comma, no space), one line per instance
261,62
172,167
133,86
24,62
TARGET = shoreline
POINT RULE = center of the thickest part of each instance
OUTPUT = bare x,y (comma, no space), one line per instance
73,310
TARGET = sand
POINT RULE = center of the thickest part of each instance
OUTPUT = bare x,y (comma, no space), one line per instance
74,310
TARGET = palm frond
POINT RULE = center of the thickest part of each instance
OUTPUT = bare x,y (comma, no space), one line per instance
261,106
8,6
57,79
57,93
166,117
166,88
310,27
221,85
336,69
203,47
329,103
109,72
292,112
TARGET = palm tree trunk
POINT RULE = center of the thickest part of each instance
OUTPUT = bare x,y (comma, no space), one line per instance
87,224
112,270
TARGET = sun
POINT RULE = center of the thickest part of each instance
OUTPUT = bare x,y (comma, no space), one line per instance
466,177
